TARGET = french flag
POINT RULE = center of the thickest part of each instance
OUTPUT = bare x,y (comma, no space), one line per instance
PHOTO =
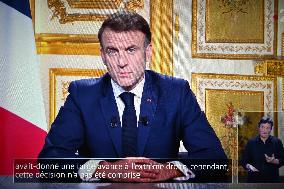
23,124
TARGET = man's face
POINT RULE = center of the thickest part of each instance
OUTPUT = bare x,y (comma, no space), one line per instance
264,130
125,56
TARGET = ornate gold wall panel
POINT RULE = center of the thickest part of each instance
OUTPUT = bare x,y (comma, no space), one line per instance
222,13
251,102
218,29
59,80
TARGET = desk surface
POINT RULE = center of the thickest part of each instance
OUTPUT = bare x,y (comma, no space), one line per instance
6,182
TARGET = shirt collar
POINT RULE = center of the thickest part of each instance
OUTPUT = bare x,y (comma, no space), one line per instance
137,91
267,140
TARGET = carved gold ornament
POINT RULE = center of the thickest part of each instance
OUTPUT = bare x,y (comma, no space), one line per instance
89,10
234,6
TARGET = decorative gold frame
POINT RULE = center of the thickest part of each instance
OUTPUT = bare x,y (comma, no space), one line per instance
161,16
234,54
227,77
60,11
230,83
54,73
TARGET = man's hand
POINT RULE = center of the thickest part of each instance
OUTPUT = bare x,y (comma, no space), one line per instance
251,168
136,170
167,172
271,159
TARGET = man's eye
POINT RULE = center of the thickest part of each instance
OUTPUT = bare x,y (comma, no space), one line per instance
131,50
111,52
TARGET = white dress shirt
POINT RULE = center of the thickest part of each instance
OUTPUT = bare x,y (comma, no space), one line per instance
137,91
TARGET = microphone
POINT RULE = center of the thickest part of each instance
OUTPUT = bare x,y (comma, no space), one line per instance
113,121
143,120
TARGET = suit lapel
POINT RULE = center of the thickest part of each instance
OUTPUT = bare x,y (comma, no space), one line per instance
147,110
110,113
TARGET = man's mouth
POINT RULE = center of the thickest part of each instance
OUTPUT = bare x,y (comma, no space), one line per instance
124,74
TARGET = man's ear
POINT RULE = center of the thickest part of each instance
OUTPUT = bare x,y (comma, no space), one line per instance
148,52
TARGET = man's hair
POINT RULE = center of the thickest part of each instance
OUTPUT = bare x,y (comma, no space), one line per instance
126,21
265,120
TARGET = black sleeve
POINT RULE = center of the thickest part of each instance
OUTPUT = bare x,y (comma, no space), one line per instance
280,154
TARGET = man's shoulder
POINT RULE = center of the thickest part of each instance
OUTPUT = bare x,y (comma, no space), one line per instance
89,87
275,139
168,87
254,139
167,80
91,82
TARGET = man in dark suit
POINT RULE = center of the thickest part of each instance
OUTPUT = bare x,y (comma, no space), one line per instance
263,155
130,112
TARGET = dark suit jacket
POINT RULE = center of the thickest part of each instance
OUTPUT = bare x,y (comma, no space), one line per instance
83,125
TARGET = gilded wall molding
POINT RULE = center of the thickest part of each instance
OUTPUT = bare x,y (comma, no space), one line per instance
105,4
177,25
60,9
67,44
282,44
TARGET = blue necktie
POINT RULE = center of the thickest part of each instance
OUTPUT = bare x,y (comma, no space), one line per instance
129,126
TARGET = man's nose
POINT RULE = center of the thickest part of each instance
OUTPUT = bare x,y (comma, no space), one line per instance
123,59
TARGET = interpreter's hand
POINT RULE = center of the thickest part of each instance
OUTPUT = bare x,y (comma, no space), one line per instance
271,159
251,168
129,170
